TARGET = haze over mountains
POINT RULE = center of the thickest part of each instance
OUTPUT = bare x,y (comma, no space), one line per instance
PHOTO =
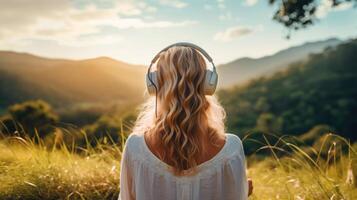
244,69
65,83
71,83
308,95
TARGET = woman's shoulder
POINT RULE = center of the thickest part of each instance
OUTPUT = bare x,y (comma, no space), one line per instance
233,138
134,138
134,142
235,144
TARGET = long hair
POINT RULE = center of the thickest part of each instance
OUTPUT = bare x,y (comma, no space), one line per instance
185,114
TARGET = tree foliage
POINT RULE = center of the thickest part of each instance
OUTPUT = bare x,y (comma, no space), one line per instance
30,117
267,122
315,134
320,90
298,14
110,126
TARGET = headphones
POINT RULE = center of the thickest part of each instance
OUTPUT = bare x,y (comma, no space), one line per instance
211,79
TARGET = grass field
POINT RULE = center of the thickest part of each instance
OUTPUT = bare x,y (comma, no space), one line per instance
34,171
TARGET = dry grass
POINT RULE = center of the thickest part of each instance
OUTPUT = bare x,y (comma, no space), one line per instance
29,171
306,172
32,171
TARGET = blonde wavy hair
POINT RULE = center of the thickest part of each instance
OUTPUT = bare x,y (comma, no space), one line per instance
185,114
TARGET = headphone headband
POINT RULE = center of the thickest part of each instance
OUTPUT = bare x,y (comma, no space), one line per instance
210,80
185,44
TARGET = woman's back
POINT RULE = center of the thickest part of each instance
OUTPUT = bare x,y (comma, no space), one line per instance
144,176
179,149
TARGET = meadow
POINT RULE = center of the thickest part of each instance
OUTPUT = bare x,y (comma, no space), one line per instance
67,103
30,169
52,153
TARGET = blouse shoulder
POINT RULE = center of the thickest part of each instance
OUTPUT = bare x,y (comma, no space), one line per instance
133,142
235,144
234,138
133,138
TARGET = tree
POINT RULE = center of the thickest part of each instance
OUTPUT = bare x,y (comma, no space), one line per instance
31,116
320,90
262,105
268,123
111,125
298,14
316,133
106,126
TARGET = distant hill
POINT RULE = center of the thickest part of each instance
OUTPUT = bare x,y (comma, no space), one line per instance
71,84
244,69
319,90
68,83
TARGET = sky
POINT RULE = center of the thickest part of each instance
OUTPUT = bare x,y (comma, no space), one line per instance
134,31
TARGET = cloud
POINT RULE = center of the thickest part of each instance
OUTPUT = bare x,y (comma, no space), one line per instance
226,16
208,7
62,21
173,3
92,40
221,4
233,33
140,23
250,2
326,6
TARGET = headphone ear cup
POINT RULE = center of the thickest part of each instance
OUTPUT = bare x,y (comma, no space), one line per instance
210,82
151,82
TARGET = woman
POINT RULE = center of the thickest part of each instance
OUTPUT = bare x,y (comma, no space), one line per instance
178,148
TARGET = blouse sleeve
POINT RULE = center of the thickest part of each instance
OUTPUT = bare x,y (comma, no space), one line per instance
244,180
241,173
126,177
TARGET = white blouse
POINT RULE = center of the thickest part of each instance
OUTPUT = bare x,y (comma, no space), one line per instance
143,176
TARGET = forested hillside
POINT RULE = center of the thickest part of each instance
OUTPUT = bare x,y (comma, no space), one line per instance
321,90
80,91
243,69
68,83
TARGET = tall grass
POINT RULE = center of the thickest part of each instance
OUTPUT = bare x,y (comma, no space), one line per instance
31,170
295,171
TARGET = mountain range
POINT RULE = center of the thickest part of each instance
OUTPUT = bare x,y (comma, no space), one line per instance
68,83
242,70
318,92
